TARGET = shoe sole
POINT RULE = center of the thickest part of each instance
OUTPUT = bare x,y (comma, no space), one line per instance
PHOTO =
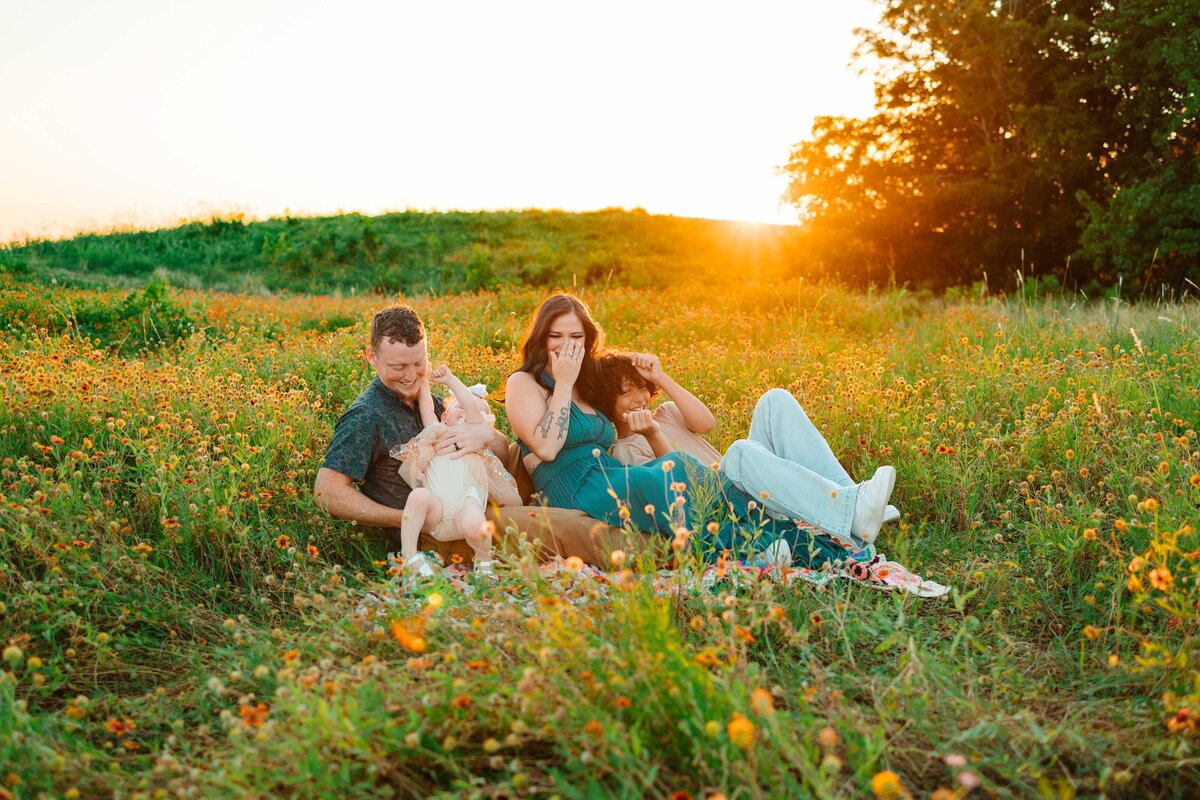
871,532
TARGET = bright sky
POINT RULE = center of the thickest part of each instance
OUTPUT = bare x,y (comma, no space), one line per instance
142,111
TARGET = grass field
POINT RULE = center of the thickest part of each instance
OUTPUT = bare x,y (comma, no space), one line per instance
415,252
178,620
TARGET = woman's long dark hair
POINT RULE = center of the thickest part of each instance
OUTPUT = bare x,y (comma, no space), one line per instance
535,354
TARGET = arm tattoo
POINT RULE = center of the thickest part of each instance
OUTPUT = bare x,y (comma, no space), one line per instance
544,426
564,421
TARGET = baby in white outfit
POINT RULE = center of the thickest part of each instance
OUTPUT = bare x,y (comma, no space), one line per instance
450,494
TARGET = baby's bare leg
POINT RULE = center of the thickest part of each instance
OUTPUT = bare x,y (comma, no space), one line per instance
470,522
422,512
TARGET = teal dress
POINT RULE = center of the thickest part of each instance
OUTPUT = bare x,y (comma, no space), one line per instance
584,476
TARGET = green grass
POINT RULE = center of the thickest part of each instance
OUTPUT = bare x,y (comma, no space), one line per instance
415,252
146,478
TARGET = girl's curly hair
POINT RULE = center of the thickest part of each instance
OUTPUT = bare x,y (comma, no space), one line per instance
616,371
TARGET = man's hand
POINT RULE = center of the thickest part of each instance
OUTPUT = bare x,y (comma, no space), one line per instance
642,421
458,440
649,367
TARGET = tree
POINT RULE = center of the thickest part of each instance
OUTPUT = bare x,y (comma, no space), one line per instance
984,153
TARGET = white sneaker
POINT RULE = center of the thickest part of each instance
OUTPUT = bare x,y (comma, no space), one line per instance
485,568
419,565
890,514
778,554
872,500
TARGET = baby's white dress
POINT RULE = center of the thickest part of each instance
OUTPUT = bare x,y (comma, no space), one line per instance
478,476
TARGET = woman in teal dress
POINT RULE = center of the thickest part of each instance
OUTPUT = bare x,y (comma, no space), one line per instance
551,404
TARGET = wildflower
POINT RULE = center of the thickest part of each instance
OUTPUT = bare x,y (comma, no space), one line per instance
462,701
1183,721
312,551
886,785
144,549
815,619
119,727
1091,632
743,634
1161,578
1091,534
1151,504
955,760
594,729
1137,564
764,495
623,702
668,465
434,601
968,780
828,738
679,794
283,541
741,731
762,703
1195,481
1070,454
1121,525
410,634
254,716
13,654
617,557
574,563
291,655
1134,584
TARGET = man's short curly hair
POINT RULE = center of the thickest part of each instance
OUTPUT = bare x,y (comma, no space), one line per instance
617,370
398,323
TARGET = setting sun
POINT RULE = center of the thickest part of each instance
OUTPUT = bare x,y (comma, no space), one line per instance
137,113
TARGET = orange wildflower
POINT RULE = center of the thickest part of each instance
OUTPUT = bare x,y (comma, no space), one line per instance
119,727
887,785
410,634
462,701
741,731
762,702
283,541
254,716
1161,578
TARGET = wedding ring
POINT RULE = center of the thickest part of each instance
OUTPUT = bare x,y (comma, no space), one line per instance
457,446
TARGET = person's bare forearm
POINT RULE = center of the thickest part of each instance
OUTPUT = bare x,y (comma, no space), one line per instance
468,401
696,414
428,412
658,443
342,501
550,434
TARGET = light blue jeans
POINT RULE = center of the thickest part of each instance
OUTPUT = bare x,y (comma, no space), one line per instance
785,456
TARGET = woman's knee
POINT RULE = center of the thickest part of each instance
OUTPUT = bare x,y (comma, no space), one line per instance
773,398
731,462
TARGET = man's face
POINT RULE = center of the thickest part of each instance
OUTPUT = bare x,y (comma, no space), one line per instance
400,366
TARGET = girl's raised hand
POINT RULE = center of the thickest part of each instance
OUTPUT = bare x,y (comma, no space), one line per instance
565,364
648,366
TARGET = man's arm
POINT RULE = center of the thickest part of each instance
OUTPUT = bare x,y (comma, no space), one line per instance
336,494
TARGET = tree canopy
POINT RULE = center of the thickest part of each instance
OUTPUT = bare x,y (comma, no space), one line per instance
1051,137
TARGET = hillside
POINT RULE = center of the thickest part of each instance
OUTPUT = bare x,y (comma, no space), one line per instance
415,251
